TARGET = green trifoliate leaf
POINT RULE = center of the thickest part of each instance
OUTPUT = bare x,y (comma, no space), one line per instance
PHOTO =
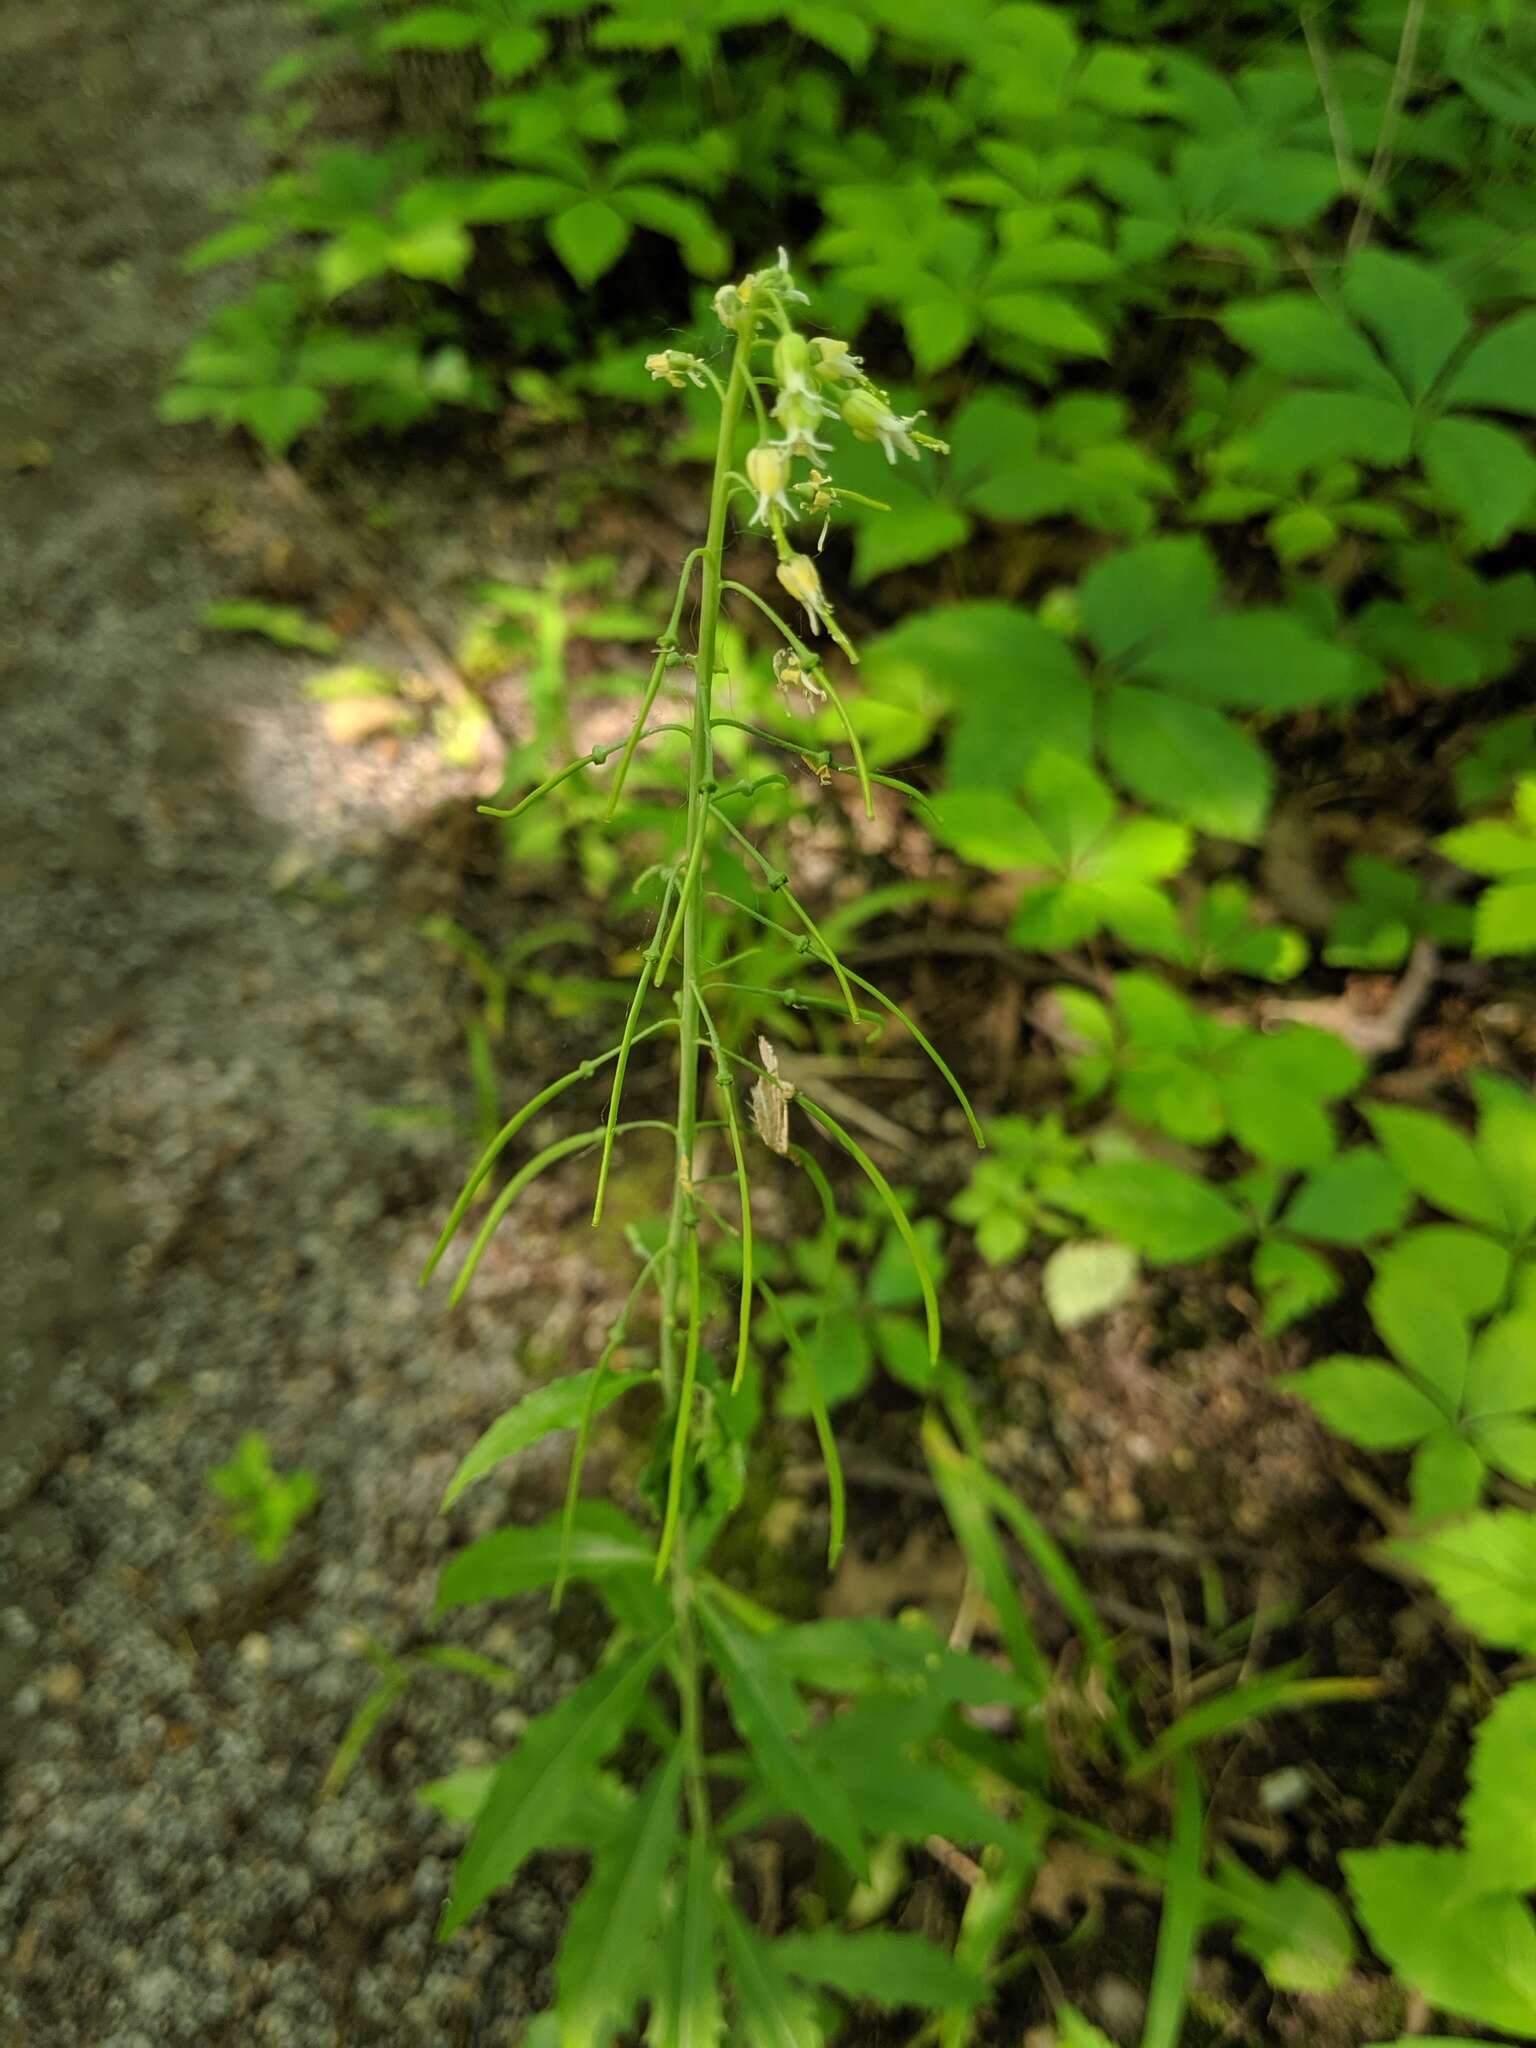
432,28
1306,429
1499,372
1294,334
1469,1271
1484,1569
1417,319
1501,1375
1187,758
1366,1400
1484,474
1354,1197
1499,1812
1505,920
589,238
1424,1332
1506,1145
1438,1163
1137,597
1168,1215
1447,1477
1475,1957
1293,1282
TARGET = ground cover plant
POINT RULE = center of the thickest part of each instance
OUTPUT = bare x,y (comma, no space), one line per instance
1184,535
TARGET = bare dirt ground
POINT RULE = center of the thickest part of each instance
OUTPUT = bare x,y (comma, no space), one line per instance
212,971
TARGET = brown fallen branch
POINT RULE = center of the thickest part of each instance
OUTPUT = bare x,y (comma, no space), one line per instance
1373,1035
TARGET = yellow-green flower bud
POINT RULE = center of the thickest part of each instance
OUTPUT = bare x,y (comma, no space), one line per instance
672,365
799,412
768,472
798,575
833,361
869,418
791,360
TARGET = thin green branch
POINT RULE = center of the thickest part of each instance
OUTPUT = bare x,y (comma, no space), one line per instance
727,1096
530,1171
510,1129
666,648
816,1401
626,1039
861,767
616,1335
676,1468
884,1190
779,881
928,1047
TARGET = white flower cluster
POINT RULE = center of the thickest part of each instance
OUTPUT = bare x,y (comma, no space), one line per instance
815,379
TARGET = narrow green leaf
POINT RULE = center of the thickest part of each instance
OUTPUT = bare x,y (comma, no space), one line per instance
772,1720
613,1925
1179,1928
604,1544
533,1787
891,1969
1277,1693
773,2013
280,622
898,1215
958,1481
560,1405
685,2008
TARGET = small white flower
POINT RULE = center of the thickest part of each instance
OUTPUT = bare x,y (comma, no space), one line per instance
792,366
869,418
833,362
798,575
789,673
672,365
768,472
799,413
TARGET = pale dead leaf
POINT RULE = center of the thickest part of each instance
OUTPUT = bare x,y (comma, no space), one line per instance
351,721
1072,1880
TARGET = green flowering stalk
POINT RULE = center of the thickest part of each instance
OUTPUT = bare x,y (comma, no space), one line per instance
801,392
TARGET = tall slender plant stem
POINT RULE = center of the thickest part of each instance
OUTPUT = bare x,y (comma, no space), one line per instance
680,1258
684,1215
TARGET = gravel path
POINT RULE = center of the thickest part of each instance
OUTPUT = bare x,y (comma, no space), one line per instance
211,972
